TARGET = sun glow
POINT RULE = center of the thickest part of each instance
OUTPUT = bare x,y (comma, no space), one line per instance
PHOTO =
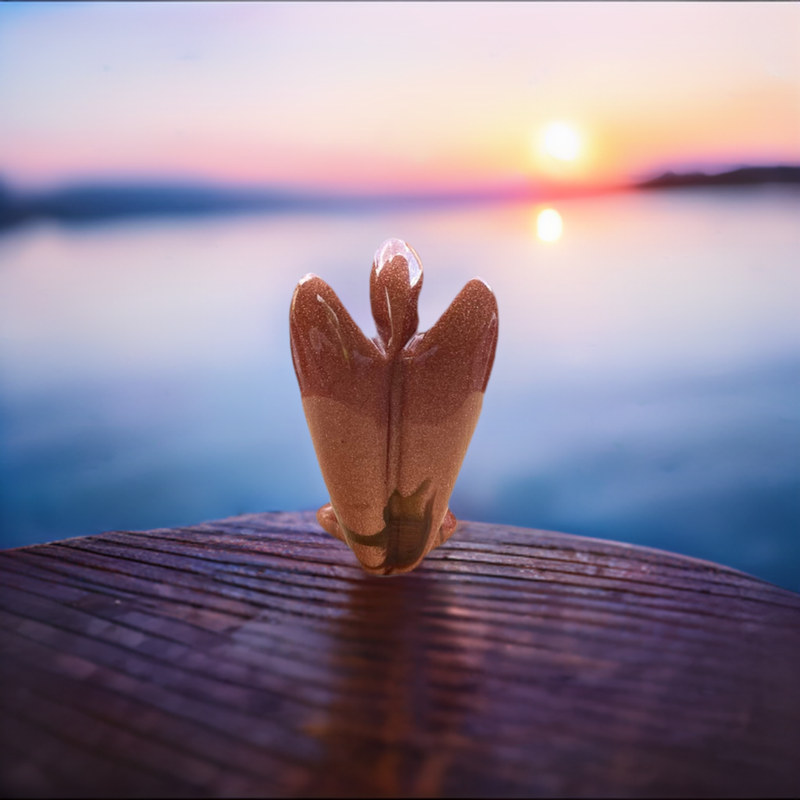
549,225
562,141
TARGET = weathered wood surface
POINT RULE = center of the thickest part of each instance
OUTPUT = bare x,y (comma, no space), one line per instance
252,656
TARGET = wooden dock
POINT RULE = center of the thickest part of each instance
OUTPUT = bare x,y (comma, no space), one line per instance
252,656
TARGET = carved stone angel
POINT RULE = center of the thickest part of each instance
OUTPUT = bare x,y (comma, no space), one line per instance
391,417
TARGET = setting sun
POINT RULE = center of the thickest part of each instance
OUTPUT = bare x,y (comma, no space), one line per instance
562,141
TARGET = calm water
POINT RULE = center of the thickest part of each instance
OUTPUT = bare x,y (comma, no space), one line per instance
646,387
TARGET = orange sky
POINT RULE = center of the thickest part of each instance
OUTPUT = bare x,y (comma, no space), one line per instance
393,96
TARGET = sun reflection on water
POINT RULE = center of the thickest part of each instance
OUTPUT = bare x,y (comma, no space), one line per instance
549,225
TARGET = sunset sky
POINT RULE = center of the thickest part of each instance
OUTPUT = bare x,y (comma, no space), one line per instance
389,96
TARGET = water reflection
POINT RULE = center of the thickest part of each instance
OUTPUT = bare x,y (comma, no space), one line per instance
645,386
549,225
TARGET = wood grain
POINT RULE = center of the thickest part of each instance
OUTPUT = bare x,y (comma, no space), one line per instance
252,656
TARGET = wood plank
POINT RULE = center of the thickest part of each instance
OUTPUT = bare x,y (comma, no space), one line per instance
252,656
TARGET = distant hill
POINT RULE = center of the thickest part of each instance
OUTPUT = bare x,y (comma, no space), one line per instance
89,203
744,176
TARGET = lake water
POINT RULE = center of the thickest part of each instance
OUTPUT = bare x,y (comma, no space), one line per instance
646,386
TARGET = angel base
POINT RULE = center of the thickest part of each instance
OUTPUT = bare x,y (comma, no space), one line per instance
400,546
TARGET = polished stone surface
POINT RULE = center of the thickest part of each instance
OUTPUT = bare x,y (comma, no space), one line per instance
391,417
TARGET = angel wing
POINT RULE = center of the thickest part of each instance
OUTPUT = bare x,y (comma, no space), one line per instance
446,371
342,378
391,418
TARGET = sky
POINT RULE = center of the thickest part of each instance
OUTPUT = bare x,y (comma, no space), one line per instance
394,96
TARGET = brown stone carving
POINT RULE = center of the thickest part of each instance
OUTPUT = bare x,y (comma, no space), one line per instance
391,417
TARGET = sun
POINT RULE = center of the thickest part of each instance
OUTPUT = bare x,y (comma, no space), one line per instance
561,141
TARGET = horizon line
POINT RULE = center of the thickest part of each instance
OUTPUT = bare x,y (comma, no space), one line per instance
87,202
514,186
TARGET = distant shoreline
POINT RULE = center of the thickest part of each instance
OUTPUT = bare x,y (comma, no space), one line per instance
90,203
743,176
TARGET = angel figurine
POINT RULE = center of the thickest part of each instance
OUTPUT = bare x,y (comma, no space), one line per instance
391,417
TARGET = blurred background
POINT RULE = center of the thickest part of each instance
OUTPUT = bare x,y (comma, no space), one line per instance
624,176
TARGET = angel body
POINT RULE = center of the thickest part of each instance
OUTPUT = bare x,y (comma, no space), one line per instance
391,417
